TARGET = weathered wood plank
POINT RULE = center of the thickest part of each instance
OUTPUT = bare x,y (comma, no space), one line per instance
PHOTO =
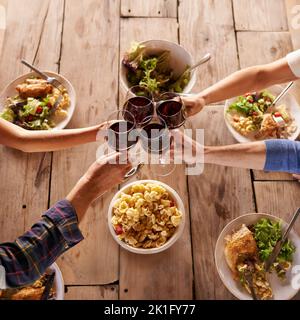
25,38
3,5
207,26
270,46
217,196
293,15
90,61
260,15
279,199
109,292
167,275
149,8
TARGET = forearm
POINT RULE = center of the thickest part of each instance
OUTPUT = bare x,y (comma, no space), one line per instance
26,259
246,155
40,141
247,80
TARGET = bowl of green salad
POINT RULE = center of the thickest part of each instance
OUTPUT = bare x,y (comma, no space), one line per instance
157,65
245,244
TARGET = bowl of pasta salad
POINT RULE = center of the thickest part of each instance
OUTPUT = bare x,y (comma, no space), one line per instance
34,104
146,217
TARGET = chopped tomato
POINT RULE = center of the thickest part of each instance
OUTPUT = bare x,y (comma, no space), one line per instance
39,110
49,105
277,114
118,229
29,118
254,113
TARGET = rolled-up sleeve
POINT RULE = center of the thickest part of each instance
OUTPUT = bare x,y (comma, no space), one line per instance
26,259
293,59
282,155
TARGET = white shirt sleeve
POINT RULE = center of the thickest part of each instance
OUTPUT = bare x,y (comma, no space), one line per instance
293,59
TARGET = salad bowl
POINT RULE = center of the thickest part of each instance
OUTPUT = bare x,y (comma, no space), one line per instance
180,58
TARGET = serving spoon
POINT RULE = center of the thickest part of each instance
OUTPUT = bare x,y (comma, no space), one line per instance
204,59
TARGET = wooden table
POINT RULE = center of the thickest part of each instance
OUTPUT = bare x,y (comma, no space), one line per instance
84,40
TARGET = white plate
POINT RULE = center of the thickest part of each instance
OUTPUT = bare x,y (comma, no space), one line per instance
288,100
174,237
180,58
59,286
11,91
282,290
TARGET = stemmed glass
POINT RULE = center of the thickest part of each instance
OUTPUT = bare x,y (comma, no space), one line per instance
139,102
171,109
155,140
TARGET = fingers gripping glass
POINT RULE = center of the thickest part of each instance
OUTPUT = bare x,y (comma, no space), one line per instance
155,140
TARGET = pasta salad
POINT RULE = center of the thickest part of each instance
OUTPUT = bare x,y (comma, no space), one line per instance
146,216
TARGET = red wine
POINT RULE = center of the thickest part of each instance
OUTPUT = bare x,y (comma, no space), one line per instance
154,137
141,108
118,135
172,113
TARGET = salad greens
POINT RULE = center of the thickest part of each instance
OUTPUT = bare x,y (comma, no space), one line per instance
253,104
29,113
266,234
153,72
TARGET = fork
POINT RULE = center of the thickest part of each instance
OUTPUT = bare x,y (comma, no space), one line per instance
51,80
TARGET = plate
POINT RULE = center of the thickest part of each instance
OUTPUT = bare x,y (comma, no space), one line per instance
282,290
288,100
11,91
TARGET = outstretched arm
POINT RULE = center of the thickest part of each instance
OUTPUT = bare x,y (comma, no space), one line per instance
247,80
26,259
39,141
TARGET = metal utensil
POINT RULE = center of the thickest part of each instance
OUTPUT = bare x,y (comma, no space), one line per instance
48,286
249,278
134,170
204,59
280,243
53,81
282,93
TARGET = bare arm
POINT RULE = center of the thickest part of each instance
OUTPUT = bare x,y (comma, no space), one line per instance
245,155
249,79
39,141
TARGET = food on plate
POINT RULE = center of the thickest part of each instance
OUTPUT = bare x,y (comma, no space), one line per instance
32,292
152,71
32,108
247,249
254,116
146,216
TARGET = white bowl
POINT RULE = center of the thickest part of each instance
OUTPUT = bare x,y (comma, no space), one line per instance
174,237
180,58
282,290
288,100
59,286
11,91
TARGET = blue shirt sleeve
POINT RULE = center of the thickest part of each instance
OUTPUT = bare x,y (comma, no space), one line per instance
282,155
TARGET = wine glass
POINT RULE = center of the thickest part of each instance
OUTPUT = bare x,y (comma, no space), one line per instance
155,139
171,109
139,102
121,134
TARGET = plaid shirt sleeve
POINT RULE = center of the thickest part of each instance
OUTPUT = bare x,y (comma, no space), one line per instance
26,259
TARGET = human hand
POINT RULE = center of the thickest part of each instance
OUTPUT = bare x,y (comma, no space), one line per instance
105,173
184,148
193,104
